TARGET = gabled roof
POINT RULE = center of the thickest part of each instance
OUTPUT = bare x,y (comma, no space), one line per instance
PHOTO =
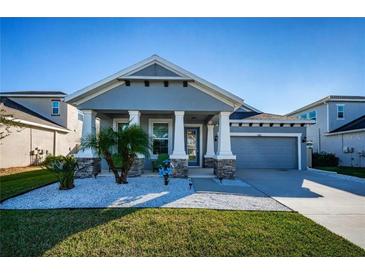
330,98
129,73
357,124
33,94
27,116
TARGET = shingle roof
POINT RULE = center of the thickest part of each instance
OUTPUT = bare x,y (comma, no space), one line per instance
358,123
22,113
327,99
33,93
260,116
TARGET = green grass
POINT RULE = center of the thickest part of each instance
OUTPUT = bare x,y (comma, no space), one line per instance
14,184
166,232
353,171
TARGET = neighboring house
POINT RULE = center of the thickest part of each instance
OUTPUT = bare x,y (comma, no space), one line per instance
196,122
50,126
339,127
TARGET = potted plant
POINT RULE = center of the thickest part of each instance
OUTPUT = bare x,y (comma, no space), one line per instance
166,170
64,167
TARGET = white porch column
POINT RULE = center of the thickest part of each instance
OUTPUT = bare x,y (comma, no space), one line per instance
88,127
210,141
134,117
224,137
179,140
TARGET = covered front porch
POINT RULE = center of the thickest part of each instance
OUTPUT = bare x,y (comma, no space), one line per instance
193,140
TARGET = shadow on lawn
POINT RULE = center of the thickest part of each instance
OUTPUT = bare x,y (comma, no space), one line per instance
34,232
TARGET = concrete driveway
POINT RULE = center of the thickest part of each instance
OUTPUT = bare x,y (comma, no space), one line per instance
332,201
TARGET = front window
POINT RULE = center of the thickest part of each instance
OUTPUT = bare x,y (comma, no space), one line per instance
160,138
55,107
340,111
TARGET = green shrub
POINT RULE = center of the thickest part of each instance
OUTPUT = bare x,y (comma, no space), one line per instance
324,159
64,167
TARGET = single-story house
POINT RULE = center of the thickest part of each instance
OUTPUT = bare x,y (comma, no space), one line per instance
196,122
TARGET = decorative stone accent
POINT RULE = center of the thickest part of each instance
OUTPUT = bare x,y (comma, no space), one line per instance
225,168
209,162
180,168
88,167
137,168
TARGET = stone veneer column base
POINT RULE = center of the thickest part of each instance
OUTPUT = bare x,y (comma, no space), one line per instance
137,168
225,168
180,168
88,167
208,162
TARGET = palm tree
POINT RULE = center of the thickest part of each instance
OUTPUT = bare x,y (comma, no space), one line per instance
123,145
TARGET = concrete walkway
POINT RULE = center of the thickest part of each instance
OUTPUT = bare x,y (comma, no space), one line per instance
334,202
236,195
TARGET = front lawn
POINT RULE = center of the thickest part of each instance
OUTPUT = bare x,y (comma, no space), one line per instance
14,184
352,171
166,232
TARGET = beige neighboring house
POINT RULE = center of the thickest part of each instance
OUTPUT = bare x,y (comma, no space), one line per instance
51,126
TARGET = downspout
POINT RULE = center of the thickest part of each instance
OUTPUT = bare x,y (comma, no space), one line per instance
54,142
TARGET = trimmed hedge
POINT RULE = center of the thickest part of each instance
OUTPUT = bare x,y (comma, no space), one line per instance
324,159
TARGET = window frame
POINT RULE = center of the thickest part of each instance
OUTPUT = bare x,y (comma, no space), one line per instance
116,121
343,111
169,132
58,101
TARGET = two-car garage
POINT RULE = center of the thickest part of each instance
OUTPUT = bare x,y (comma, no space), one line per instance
267,150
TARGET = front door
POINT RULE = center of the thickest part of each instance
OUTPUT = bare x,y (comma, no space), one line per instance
192,143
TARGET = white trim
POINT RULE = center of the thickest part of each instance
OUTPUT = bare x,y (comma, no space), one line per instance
235,100
257,134
99,92
248,121
345,132
151,121
37,124
328,116
340,105
119,120
200,142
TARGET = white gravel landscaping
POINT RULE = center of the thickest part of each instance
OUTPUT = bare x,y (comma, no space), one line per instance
103,192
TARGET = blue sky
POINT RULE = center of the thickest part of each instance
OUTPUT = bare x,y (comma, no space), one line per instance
276,65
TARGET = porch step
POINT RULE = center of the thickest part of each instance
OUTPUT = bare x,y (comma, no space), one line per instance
201,173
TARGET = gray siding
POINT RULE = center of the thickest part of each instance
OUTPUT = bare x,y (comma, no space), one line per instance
265,152
155,97
301,130
315,133
43,106
353,110
336,143
155,70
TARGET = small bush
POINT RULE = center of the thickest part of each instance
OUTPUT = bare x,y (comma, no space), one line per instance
64,167
324,159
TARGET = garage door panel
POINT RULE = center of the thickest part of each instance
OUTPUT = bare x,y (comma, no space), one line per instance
265,152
